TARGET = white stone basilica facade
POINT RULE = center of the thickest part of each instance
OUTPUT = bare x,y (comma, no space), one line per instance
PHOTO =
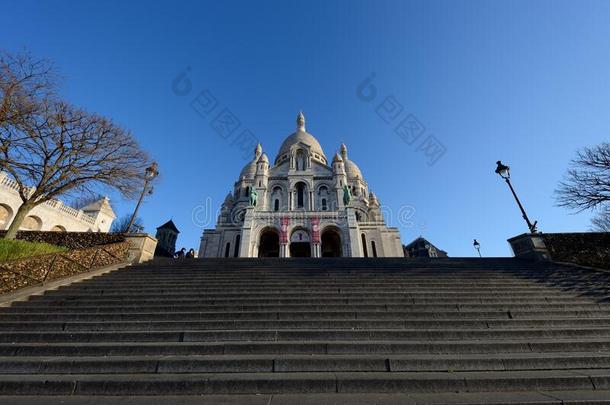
301,206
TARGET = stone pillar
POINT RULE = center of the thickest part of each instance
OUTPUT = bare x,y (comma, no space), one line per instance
530,246
284,252
339,192
142,247
245,248
353,231
315,237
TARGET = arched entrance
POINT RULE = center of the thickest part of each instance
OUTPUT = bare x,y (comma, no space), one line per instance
331,243
300,245
269,243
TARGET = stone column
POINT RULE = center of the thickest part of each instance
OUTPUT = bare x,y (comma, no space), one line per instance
284,237
315,237
353,231
245,249
142,247
530,246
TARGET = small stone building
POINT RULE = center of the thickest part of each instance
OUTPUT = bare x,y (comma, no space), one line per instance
166,235
421,247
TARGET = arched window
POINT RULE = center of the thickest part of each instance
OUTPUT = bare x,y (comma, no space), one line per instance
300,160
237,240
247,191
374,248
323,197
227,249
364,249
276,198
300,195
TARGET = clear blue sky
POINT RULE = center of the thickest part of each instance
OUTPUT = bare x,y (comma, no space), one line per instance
527,82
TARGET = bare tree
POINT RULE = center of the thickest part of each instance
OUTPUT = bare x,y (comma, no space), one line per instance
120,224
587,184
601,221
25,84
82,201
51,148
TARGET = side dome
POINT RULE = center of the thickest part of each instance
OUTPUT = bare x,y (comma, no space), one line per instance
304,137
352,169
249,170
264,158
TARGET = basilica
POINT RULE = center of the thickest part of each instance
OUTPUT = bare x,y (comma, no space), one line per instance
301,206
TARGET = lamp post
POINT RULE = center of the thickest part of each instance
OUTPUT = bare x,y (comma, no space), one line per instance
477,246
504,172
149,175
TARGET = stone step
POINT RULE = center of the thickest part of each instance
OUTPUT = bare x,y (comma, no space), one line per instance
313,301
297,315
243,363
412,325
312,347
572,397
173,295
37,307
301,335
338,382
329,271
311,283
300,273
219,292
357,282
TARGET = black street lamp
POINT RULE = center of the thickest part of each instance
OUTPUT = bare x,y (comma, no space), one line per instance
149,175
504,172
477,246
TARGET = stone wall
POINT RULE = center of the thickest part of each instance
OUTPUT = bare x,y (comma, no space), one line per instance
586,248
71,240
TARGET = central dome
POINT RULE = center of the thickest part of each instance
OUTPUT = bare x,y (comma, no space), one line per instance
301,136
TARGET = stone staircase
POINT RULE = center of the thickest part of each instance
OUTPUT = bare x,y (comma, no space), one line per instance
314,331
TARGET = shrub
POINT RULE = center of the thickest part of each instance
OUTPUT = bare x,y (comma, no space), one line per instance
16,249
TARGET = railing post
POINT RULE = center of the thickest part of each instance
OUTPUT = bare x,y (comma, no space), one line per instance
97,251
50,268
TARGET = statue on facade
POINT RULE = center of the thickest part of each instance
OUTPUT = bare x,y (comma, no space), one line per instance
347,195
253,197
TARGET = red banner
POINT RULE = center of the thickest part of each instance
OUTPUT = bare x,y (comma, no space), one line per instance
284,230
